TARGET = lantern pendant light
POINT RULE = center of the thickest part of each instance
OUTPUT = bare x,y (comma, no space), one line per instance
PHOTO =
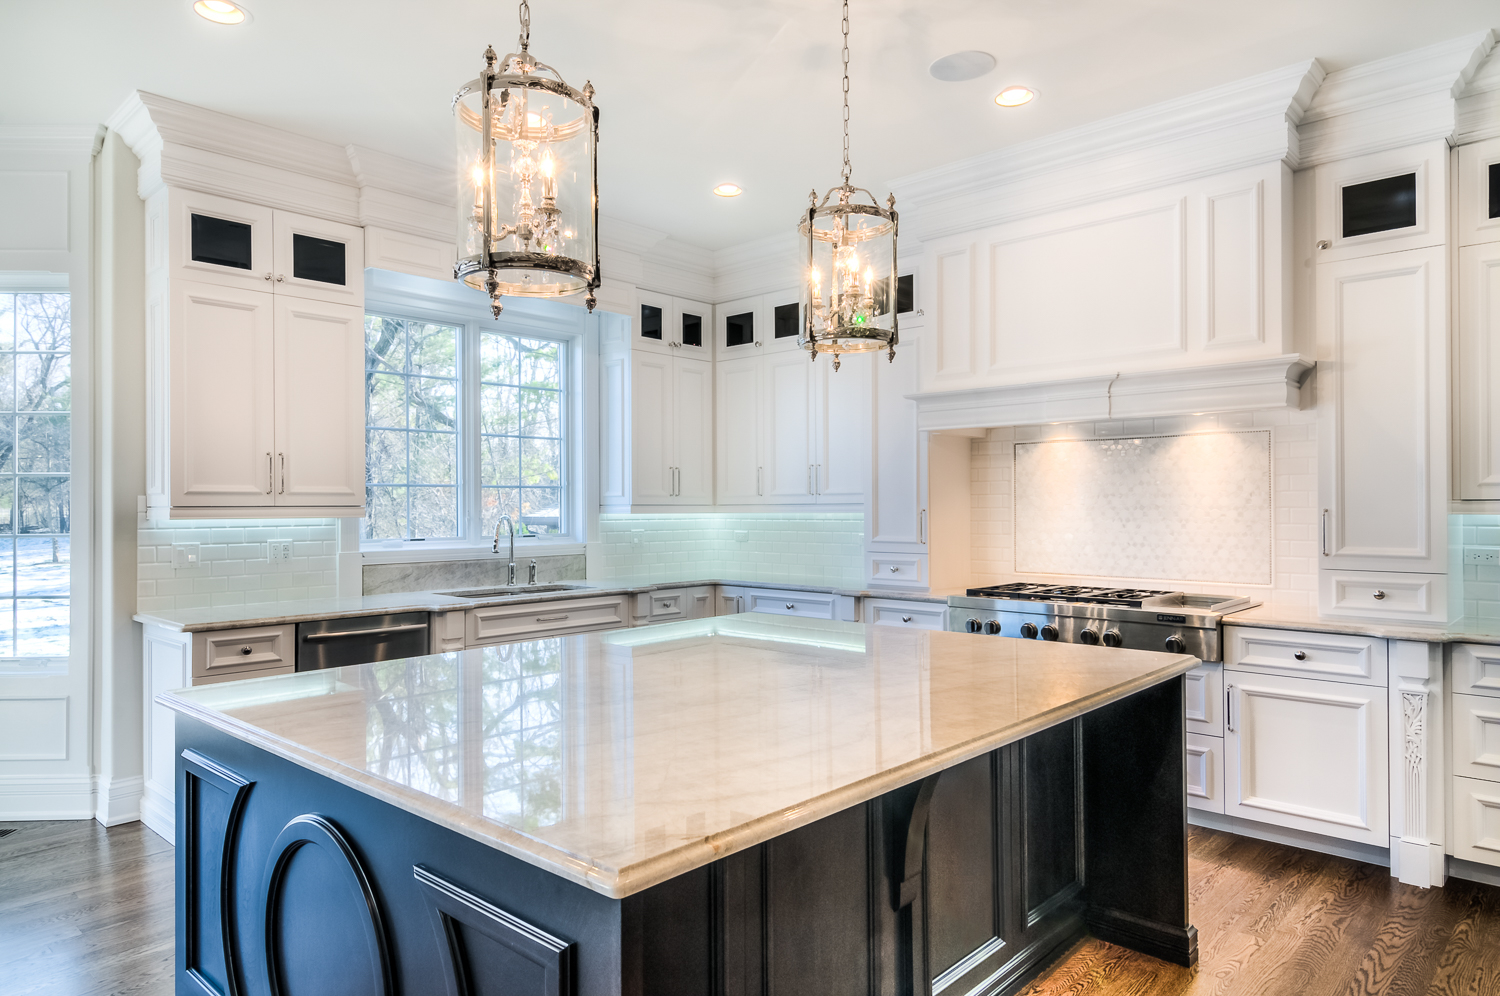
528,187
849,287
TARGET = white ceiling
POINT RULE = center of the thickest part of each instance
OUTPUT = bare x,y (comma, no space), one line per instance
694,92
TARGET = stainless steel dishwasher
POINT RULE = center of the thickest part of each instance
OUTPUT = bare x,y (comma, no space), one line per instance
361,640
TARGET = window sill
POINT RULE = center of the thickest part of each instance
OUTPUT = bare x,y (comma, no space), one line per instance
432,554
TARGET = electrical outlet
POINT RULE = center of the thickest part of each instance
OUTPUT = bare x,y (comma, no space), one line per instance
280,552
742,535
1488,556
635,537
186,555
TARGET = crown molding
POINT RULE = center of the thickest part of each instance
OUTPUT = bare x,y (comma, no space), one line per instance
1243,386
1478,111
68,140
1245,123
1389,103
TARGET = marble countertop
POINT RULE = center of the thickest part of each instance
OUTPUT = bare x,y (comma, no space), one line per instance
619,760
1485,631
308,609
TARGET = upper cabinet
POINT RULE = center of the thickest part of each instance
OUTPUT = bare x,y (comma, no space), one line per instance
1385,202
220,241
751,324
1476,342
255,373
1479,193
673,325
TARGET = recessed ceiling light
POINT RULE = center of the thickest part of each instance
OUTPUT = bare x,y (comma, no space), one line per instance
728,190
1015,96
960,66
221,11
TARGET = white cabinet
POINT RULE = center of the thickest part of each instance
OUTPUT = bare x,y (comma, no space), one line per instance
1203,691
740,476
1380,203
266,405
674,604
913,615
672,326
896,505
786,439
1205,772
1476,368
1307,754
508,623
752,325
1382,395
841,401
1475,781
1479,193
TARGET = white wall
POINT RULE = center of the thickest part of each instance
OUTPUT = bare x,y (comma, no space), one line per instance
1293,582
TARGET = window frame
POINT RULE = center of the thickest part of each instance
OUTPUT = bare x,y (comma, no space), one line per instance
395,295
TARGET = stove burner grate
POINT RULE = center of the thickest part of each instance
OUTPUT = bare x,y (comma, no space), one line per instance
1033,591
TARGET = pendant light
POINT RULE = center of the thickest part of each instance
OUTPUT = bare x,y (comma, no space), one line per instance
849,286
528,187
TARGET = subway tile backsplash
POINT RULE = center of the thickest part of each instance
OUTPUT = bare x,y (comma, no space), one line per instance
797,548
235,566
1479,585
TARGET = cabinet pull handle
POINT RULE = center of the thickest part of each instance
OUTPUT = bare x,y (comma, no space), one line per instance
924,525
1323,534
1229,707
270,465
759,487
551,618
1379,594
809,478
1300,655
282,489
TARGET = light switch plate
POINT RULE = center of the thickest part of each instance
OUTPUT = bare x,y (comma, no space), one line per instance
186,554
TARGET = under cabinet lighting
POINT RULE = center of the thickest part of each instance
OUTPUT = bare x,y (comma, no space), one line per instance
729,190
1015,96
221,11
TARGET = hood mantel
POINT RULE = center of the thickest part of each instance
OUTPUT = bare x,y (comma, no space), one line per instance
1242,386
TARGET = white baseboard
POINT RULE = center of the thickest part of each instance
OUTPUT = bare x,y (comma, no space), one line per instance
46,797
1292,838
118,800
1473,871
159,813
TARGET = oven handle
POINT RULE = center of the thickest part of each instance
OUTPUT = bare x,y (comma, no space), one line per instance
380,631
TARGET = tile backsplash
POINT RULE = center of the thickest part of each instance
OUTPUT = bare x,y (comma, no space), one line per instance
1478,589
798,548
234,563
1248,531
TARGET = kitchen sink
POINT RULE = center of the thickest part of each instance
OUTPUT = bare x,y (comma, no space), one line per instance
515,589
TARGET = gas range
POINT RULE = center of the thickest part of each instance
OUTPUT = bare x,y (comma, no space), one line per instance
1133,618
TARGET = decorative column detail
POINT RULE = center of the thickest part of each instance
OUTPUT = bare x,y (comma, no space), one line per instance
1414,722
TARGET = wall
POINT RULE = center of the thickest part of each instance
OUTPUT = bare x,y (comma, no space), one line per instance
1478,584
796,548
1293,579
234,566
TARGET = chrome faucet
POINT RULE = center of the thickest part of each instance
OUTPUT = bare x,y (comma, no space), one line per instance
510,575
531,573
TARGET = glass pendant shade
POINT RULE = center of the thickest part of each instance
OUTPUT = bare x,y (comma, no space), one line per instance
849,287
528,205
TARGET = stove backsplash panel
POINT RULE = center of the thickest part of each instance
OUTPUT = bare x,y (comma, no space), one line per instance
1223,501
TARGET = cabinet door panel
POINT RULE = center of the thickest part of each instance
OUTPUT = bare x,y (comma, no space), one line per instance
1477,372
737,409
963,901
692,427
787,408
1383,202
1479,192
898,460
320,260
650,427
223,396
320,403
1307,754
842,424
1382,375
221,241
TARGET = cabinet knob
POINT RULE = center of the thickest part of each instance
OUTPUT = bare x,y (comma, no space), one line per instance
1300,655
790,605
1379,594
758,345
268,276
245,651
894,568
1324,244
906,618
280,278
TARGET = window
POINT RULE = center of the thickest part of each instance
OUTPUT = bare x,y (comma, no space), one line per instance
35,475
465,422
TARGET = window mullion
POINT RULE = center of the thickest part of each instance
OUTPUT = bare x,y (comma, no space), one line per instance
470,497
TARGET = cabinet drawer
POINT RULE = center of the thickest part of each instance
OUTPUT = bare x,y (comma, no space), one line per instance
235,651
791,603
509,623
1205,772
1394,597
905,569
1204,693
1476,669
215,677
1476,737
918,615
1476,821
1305,655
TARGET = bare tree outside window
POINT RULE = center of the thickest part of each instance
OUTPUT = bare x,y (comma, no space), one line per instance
35,474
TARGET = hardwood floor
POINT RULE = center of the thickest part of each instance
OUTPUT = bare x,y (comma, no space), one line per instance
1275,920
86,911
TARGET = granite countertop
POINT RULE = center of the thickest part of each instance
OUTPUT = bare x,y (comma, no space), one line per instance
308,609
619,760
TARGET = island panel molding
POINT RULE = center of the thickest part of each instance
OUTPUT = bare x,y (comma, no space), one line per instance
212,803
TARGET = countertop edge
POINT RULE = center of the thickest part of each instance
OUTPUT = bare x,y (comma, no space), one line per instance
631,879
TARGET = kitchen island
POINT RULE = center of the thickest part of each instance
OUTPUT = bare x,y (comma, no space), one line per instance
735,805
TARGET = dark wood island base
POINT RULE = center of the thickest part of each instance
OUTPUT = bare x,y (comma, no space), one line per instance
969,881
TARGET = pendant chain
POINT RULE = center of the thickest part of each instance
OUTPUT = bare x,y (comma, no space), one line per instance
526,25
846,93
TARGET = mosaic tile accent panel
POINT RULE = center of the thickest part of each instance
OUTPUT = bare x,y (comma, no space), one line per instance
1181,507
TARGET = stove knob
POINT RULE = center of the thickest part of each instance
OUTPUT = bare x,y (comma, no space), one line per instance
1028,630
1112,638
1089,636
972,625
1175,645
992,628
1049,632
